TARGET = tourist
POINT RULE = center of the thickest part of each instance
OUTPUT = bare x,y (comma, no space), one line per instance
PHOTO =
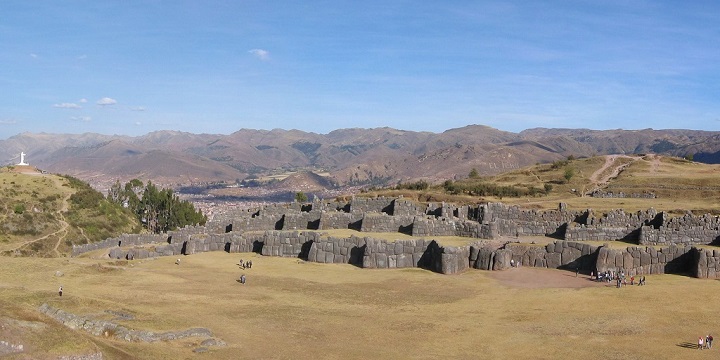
512,262
177,262
577,271
709,341
242,279
700,343
632,280
60,290
249,264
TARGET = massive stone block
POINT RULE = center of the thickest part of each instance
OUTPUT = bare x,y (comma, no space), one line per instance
701,257
485,259
553,260
502,259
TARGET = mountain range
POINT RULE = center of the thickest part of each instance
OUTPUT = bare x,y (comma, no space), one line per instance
355,156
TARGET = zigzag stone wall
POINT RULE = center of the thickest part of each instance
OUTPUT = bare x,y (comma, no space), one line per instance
277,231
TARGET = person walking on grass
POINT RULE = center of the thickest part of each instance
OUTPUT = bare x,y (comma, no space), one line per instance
700,343
60,290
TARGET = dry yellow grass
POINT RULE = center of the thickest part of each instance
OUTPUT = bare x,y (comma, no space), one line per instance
680,185
294,310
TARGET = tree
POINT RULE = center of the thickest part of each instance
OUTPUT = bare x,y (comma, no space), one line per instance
300,197
158,210
689,157
474,174
569,173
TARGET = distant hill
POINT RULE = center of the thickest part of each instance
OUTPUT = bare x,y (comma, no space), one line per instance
378,156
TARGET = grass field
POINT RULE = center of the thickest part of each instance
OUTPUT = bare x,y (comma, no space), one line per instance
295,310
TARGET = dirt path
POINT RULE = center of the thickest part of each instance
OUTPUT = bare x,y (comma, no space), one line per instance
536,278
597,182
655,164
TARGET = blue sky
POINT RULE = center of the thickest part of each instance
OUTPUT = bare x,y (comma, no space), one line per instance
132,67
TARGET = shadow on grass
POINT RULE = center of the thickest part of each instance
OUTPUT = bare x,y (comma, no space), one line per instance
688,345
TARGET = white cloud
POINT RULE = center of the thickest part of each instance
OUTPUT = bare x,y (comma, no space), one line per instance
82,57
261,54
137,108
67,106
83,100
34,56
106,101
8,122
81,118
137,123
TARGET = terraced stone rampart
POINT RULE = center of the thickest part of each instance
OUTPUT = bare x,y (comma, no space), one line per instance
282,235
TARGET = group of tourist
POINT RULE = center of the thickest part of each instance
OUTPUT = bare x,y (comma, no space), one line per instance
619,277
705,343
245,264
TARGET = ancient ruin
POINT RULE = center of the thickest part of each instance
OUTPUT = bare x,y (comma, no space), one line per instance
664,244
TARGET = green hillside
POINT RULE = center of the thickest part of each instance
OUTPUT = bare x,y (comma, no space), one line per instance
45,214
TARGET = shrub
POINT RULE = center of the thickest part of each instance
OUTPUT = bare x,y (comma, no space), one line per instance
19,208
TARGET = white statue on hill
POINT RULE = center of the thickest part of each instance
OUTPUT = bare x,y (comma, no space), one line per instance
22,159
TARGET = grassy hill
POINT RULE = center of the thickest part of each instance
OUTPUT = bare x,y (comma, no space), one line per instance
679,185
45,214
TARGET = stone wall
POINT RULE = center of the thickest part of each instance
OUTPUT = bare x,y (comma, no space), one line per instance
557,255
288,243
302,220
239,233
610,194
341,220
636,260
430,226
576,232
99,327
378,205
122,240
706,263
382,254
338,251
381,222
258,222
687,229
